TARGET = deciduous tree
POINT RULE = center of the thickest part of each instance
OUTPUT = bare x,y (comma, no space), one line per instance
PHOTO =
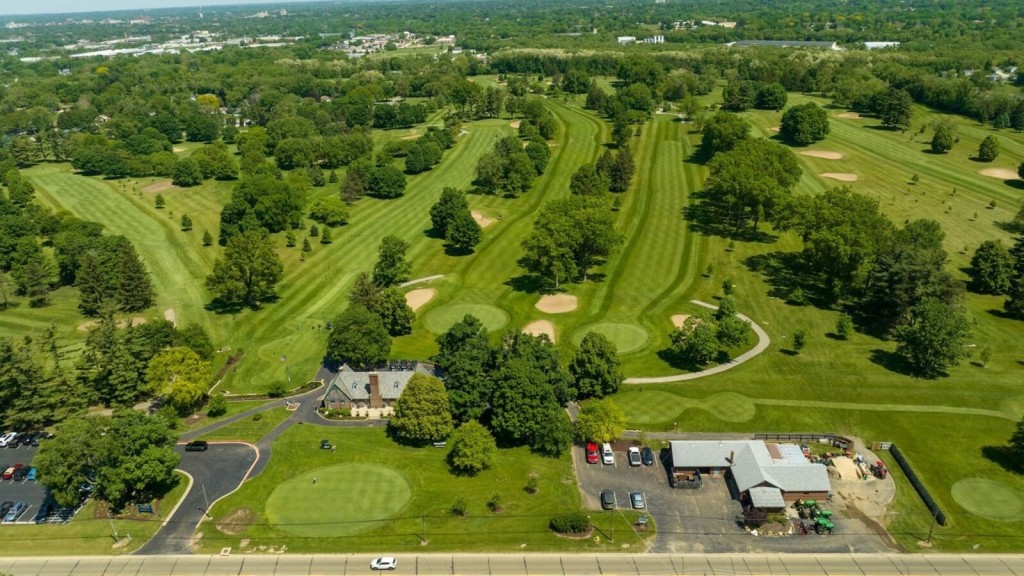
358,338
932,337
422,412
599,420
595,368
473,449
248,272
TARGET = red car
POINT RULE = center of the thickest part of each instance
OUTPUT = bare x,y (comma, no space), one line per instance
592,456
9,473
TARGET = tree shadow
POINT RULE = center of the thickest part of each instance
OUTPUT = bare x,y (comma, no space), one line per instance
678,362
789,352
707,218
220,306
451,250
1000,314
1015,184
883,128
433,233
1011,227
1006,457
531,284
786,273
891,361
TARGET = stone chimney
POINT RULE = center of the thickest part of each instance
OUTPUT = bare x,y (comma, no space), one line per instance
375,400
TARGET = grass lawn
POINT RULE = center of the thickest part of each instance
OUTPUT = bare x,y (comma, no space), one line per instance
374,494
249,429
89,532
201,419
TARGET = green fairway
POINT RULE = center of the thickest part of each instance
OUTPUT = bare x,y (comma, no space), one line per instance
373,494
360,495
440,319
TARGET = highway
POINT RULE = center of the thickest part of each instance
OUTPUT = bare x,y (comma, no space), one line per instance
522,564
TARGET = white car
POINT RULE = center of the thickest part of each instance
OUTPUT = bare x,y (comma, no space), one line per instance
634,456
6,439
384,563
607,456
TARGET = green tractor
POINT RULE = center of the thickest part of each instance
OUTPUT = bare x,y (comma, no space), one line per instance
823,525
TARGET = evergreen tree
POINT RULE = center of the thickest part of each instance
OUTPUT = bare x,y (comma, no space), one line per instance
207,238
289,239
325,238
944,137
989,149
391,268
306,247
186,223
622,171
94,284
159,203
133,289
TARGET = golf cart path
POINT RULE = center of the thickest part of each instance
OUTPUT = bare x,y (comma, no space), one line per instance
421,280
762,344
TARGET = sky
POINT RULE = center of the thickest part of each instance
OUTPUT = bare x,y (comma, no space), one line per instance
10,7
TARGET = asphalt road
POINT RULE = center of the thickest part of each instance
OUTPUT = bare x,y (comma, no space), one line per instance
215,473
522,564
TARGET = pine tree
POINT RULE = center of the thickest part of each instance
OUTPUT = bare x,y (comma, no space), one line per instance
289,239
134,289
160,202
333,178
186,223
314,231
622,170
325,238
94,285
306,247
207,238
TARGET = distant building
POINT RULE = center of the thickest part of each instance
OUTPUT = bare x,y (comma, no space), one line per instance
880,45
654,40
626,39
786,44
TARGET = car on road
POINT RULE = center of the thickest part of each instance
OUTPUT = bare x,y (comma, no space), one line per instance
20,474
31,474
607,456
637,500
9,472
15,512
608,499
197,446
634,456
647,456
384,563
592,455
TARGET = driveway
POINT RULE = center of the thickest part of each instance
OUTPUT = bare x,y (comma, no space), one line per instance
704,520
215,473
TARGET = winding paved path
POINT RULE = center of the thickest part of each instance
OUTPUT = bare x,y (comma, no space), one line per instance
762,343
420,280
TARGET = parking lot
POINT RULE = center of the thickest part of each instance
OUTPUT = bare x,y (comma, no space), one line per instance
705,520
32,493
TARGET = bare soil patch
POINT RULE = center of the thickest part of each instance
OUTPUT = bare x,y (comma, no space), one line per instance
1001,173
417,298
826,154
557,303
776,128
515,124
136,321
841,176
538,327
850,116
158,187
178,149
236,521
482,220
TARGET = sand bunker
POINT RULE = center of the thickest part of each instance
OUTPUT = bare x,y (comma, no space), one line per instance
158,187
557,303
417,298
776,128
136,321
178,149
482,220
826,154
850,116
515,124
410,137
538,327
841,176
1001,173
170,316
679,319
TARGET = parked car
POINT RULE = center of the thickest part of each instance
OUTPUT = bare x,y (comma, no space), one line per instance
43,513
325,444
20,474
15,512
384,563
607,456
5,507
30,439
647,456
634,456
592,455
6,439
197,446
637,500
608,499
15,440
9,472
31,474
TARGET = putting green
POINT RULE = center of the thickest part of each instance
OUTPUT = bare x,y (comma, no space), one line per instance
440,319
989,499
344,500
627,337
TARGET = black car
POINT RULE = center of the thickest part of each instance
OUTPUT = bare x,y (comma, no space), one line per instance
647,456
197,446
30,439
20,474
608,500
5,507
43,513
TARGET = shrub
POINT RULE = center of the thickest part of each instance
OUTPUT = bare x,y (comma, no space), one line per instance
459,507
277,389
570,523
532,485
257,417
218,406
844,326
494,504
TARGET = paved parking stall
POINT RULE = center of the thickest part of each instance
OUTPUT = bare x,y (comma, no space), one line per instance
32,493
